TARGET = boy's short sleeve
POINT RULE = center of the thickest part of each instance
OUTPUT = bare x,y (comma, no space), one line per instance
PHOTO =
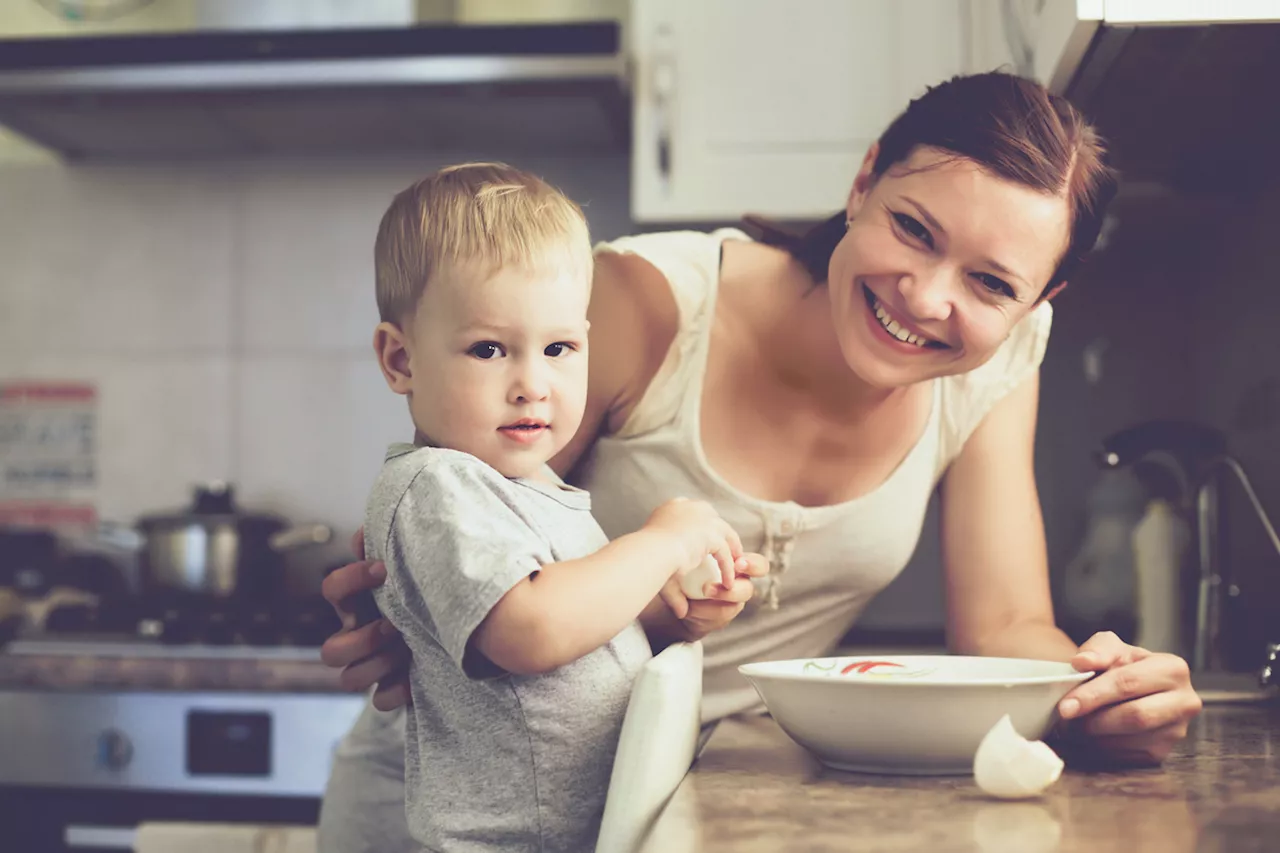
456,544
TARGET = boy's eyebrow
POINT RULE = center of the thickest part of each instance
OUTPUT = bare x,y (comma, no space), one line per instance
558,331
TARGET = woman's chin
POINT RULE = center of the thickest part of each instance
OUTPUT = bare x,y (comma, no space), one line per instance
884,371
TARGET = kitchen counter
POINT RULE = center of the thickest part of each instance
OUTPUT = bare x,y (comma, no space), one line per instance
753,789
133,668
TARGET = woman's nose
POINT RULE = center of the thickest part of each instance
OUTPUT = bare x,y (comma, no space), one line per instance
929,293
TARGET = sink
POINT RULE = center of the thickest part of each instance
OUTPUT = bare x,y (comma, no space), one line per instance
1232,687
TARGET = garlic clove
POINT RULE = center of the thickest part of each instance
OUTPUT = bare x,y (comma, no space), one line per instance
693,581
1009,766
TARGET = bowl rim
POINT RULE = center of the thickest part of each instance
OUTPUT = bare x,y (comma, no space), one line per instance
753,670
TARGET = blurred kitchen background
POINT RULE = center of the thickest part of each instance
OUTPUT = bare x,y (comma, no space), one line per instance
189,191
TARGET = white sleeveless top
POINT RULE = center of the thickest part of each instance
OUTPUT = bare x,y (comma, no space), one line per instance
828,561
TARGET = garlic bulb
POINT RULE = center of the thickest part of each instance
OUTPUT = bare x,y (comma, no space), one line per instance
692,582
1009,766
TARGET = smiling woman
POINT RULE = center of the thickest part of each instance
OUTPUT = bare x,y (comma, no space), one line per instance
816,390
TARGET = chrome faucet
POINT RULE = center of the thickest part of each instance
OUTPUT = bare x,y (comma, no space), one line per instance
1197,453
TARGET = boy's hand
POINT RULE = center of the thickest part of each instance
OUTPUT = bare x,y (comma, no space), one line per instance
682,619
697,530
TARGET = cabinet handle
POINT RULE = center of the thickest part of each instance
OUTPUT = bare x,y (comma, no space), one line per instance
99,837
664,91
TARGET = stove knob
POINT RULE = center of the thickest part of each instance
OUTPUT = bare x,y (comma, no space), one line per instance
115,750
219,629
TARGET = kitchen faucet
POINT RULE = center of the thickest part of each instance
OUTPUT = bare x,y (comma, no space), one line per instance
1198,454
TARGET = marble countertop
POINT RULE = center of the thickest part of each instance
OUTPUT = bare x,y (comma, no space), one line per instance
753,789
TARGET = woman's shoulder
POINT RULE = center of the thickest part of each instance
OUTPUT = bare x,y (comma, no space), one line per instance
684,266
649,291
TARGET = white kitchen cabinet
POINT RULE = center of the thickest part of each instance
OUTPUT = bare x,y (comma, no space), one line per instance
763,106
1060,33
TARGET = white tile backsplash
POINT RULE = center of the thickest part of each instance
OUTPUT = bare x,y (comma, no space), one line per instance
225,313
308,259
311,432
114,260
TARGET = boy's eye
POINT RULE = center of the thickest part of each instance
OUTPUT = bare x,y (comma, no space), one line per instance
558,349
485,350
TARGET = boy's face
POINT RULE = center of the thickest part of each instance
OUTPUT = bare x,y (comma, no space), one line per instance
498,368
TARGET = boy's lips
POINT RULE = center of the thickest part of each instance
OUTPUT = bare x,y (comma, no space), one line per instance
525,430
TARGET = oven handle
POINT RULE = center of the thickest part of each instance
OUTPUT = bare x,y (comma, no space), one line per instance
100,837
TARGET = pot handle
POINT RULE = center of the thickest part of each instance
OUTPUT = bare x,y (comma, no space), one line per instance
300,537
115,535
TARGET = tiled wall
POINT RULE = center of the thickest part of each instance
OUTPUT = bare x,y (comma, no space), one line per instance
226,314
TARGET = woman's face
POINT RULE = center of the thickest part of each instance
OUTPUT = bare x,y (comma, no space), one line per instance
940,261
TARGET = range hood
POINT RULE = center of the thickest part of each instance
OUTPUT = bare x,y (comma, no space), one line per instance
1183,91
207,94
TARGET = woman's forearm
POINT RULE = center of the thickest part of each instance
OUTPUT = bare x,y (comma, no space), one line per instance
1035,640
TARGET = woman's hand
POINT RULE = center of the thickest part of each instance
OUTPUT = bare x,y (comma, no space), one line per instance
1135,710
367,648
688,620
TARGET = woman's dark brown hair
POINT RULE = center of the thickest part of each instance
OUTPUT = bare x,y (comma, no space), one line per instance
1012,127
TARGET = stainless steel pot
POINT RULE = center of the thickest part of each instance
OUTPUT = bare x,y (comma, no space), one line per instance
215,549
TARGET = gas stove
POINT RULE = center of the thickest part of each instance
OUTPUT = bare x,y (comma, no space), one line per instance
108,718
175,624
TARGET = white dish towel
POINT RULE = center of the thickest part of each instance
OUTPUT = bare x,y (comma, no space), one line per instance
657,746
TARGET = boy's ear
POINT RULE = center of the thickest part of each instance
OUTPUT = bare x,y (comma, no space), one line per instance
392,349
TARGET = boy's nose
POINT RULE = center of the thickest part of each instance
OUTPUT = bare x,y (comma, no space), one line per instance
530,386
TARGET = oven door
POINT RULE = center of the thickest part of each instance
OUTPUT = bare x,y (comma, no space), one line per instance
81,770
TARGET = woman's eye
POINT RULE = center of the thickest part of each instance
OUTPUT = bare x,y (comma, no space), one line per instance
914,228
995,285
485,350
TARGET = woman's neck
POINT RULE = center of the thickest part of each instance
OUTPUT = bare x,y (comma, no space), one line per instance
805,354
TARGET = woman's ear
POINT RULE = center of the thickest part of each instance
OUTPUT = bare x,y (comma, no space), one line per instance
863,182
391,346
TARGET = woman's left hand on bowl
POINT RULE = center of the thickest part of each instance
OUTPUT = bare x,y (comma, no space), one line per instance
1135,710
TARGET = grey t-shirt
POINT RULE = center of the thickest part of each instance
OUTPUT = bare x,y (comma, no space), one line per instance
493,761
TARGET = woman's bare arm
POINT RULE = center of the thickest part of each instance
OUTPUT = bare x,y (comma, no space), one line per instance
633,322
1138,707
995,560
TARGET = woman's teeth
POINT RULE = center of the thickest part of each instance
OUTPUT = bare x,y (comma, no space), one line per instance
894,329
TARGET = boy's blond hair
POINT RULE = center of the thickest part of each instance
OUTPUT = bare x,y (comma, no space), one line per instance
475,218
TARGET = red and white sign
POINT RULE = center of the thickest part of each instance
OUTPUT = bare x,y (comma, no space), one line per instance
48,454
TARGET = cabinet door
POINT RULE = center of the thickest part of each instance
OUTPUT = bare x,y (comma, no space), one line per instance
762,106
1060,34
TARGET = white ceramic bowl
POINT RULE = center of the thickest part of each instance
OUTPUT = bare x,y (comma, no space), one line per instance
908,714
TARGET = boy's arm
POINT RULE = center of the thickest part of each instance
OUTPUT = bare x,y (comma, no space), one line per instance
571,608
565,610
